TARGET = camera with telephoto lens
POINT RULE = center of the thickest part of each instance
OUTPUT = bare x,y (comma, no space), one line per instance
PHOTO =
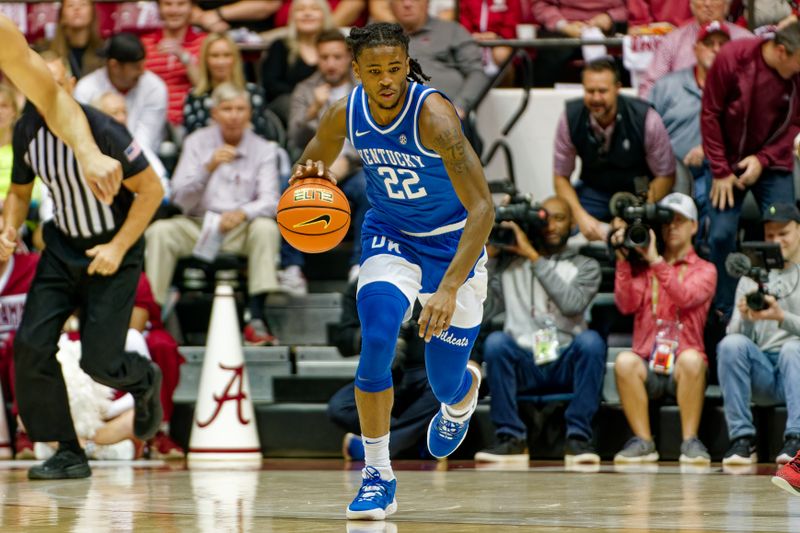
640,216
755,261
528,215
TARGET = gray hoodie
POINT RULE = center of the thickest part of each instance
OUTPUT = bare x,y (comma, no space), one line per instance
768,334
560,287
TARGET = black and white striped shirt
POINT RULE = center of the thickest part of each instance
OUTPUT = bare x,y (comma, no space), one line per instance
77,213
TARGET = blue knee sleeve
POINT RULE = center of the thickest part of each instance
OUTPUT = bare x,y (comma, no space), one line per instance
446,358
381,308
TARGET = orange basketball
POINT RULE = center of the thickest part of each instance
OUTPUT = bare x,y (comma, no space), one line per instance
313,215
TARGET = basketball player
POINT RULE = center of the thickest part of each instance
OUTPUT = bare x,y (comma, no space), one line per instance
63,115
423,238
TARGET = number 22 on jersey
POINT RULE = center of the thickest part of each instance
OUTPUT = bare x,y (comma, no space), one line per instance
407,179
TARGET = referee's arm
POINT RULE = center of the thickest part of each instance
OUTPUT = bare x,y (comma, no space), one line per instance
149,193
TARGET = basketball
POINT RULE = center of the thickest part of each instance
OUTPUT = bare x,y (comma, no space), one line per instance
313,215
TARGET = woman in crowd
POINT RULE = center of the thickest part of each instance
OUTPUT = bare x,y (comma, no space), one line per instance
220,62
293,59
77,37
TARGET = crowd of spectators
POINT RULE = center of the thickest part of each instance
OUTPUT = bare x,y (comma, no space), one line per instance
239,87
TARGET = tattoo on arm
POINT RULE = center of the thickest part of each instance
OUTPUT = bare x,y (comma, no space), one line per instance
452,146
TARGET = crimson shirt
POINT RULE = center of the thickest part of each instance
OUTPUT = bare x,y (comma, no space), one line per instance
685,291
502,16
748,110
15,282
170,69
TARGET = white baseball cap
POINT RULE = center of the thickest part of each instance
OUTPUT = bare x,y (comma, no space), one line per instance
680,203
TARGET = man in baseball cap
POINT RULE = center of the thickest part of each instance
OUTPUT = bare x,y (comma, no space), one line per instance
711,28
781,212
680,203
669,297
144,92
762,353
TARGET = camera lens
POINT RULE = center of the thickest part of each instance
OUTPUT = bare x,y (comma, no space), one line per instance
638,235
756,301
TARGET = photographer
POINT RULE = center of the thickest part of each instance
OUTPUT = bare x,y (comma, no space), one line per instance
618,138
669,296
759,359
545,346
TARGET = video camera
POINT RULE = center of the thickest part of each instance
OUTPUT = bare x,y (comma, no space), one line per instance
529,215
755,261
640,216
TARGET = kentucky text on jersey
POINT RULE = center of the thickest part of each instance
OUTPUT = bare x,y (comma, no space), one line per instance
379,156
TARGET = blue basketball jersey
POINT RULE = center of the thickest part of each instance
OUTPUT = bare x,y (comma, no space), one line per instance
407,185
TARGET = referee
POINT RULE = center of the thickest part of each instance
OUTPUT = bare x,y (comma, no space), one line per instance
92,263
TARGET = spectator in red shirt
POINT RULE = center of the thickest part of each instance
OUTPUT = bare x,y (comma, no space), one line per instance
569,18
491,19
77,37
16,275
172,53
749,119
667,294
676,51
642,12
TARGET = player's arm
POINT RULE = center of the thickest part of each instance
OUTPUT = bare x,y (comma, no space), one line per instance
63,115
325,147
440,130
148,190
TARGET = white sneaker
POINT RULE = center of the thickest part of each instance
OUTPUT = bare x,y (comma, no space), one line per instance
292,281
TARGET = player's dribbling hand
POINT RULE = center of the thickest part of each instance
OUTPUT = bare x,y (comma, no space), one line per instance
103,174
106,259
8,242
437,314
312,169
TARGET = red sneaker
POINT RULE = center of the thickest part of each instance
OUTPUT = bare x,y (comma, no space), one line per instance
788,476
23,446
257,334
163,447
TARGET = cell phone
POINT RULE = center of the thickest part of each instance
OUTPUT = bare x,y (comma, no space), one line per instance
765,255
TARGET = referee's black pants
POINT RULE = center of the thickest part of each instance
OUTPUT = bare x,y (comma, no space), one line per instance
104,303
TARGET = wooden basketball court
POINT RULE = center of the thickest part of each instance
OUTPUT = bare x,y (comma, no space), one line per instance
310,496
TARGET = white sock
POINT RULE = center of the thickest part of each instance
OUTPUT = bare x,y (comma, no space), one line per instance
376,455
463,414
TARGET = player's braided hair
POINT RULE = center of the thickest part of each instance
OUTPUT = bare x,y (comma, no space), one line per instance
384,34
